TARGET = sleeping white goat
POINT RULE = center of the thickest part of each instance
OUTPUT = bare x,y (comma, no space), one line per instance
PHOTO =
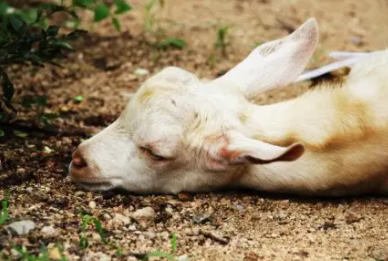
180,134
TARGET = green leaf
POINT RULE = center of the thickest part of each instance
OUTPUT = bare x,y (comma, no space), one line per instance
100,230
82,3
79,98
101,12
122,6
3,8
4,211
160,254
2,133
20,134
75,34
52,30
116,24
83,242
149,5
63,44
173,243
17,24
172,42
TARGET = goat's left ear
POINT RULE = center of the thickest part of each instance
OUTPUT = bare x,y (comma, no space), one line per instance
273,64
242,150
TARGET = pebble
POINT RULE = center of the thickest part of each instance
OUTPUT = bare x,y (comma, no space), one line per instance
240,208
169,211
183,258
92,204
200,218
120,220
48,231
93,256
356,40
144,216
379,254
21,171
132,227
15,253
67,140
54,254
22,227
141,71
149,234
79,193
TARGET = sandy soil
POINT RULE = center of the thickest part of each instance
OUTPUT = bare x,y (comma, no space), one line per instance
242,225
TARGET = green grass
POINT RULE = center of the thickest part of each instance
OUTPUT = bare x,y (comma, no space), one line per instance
43,254
4,211
151,26
85,220
221,39
169,256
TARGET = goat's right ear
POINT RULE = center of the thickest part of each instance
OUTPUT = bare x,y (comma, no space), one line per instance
240,150
274,64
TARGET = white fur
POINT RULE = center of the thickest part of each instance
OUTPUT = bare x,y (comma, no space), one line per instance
330,141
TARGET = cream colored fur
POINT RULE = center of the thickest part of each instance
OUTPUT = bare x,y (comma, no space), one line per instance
178,133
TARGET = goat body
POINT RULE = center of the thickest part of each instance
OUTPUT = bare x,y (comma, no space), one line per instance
343,129
178,133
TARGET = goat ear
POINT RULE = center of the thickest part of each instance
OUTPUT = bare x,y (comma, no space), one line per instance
176,75
274,64
241,150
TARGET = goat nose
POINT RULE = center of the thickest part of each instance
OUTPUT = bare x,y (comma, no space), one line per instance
78,160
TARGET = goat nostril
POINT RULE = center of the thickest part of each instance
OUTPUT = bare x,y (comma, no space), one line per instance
78,161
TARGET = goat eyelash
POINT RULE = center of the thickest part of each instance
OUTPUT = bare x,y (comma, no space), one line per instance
153,155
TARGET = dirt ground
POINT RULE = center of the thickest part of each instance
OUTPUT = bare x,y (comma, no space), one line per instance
234,225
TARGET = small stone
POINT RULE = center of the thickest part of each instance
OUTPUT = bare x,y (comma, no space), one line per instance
141,72
251,257
132,228
95,236
144,216
48,231
356,40
22,227
200,218
79,193
66,140
240,208
21,171
379,254
169,211
34,155
150,234
183,258
55,254
92,204
120,220
92,256
15,253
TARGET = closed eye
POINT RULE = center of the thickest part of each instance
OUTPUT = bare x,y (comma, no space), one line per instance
152,154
